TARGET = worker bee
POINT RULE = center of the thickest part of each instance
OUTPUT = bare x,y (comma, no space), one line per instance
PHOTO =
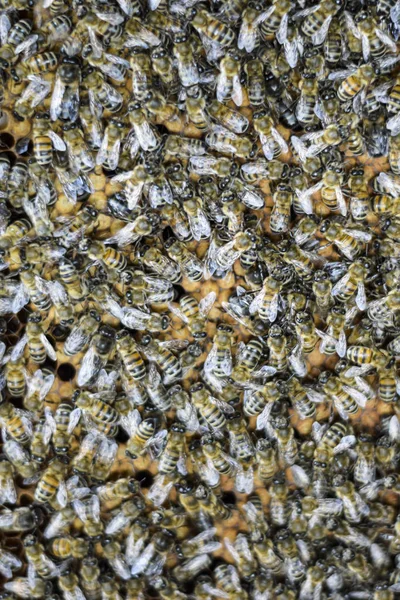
243,451
195,313
211,409
188,72
130,356
347,400
348,241
273,144
190,265
154,260
287,443
213,29
82,333
36,340
219,359
65,97
100,91
96,357
318,19
79,154
354,82
226,142
51,484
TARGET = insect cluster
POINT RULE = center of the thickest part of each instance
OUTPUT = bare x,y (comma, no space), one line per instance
200,300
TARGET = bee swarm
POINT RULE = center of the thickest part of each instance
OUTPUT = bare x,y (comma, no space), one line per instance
200,300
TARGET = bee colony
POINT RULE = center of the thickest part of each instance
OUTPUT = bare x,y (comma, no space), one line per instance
200,301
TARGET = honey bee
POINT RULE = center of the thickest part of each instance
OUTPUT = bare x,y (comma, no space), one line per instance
195,313
219,359
206,24
347,400
188,71
51,484
266,460
80,156
226,142
348,241
211,409
212,504
273,144
167,361
243,451
142,133
130,355
81,333
96,357
318,19
89,573
160,264
384,309
189,264
100,91
287,443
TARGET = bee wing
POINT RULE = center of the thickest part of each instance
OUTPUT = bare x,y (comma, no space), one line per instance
280,140
394,429
300,477
299,147
177,311
362,236
145,136
232,551
124,236
366,49
266,146
265,371
56,98
209,474
358,396
118,522
203,165
131,421
57,141
159,491
342,413
248,35
393,124
237,91
348,441
341,344
102,154
340,285
91,365
51,353
257,301
62,494
76,340
319,37
20,299
361,298
244,480
386,39
19,348
340,200
272,311
8,492
74,419
297,362
5,26
200,226
292,51
263,417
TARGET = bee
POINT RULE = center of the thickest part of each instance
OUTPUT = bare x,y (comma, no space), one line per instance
317,20
216,458
91,125
266,460
273,144
354,83
89,573
195,313
26,587
253,172
226,142
219,359
243,451
161,110
88,511
82,333
130,355
256,89
154,260
264,550
43,139
280,215
247,361
347,400
354,507
305,108
104,93
96,357
206,24
17,184
68,583
158,352
142,434
82,463
348,241
375,42
92,404
212,504
195,105
109,151
36,556
71,280
15,377
303,399
65,97
287,444
142,133
211,165
251,17
266,302
384,309
189,264
211,409
197,219
51,484
273,21
188,71
80,156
